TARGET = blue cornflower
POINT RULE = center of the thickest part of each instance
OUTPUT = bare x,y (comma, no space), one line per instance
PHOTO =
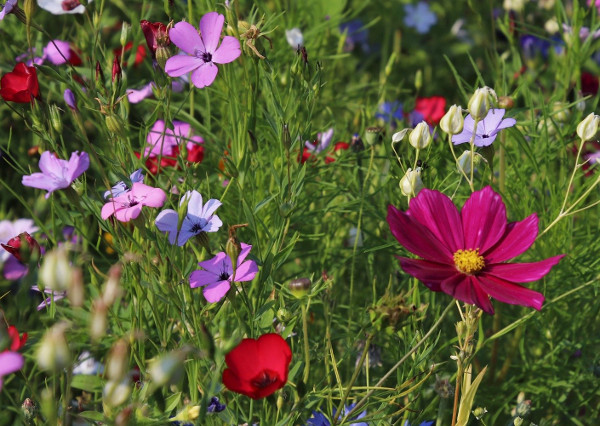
355,35
319,419
419,17
390,112
426,423
215,406
121,187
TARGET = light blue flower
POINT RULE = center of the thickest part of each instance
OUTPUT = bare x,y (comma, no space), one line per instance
121,187
319,419
419,17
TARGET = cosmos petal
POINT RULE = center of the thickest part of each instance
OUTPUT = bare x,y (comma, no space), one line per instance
466,289
518,237
508,292
483,219
522,272
430,273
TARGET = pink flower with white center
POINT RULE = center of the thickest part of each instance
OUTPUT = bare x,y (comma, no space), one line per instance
217,274
465,254
129,205
203,51
60,7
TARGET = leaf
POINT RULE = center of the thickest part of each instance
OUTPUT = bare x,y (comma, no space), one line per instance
468,395
87,383
91,415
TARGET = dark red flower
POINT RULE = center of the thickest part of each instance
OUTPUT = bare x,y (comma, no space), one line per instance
116,69
20,85
337,147
156,34
589,84
139,55
17,342
258,367
24,247
194,155
433,109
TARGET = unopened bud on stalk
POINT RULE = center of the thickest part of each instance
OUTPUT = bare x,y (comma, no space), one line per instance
587,129
286,138
112,286
373,135
116,393
56,272
399,136
420,138
98,322
99,75
116,69
75,292
506,102
561,112
53,352
124,30
168,368
117,365
29,410
411,183
481,102
299,287
29,8
464,161
55,118
452,122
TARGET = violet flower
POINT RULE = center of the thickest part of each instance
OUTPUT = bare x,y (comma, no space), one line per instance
121,187
129,205
319,419
57,173
54,296
9,363
70,100
202,51
58,52
7,8
487,129
355,35
135,96
419,16
217,273
199,218
322,142
390,112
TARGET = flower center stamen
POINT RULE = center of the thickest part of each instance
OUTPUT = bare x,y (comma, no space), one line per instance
469,261
264,379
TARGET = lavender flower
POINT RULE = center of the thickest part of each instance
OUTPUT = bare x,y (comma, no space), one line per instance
57,173
419,17
322,142
199,218
7,8
54,296
487,129
121,187
70,100
355,35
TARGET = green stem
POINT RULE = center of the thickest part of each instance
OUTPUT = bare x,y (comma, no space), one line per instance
306,346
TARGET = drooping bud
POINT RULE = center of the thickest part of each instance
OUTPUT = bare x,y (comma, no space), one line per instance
587,129
24,247
420,138
53,352
481,102
452,122
299,287
56,272
411,183
116,69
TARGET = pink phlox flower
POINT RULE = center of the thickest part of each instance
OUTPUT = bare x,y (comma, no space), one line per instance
7,8
54,296
129,205
465,254
322,142
487,129
9,363
57,173
203,51
161,140
217,274
199,218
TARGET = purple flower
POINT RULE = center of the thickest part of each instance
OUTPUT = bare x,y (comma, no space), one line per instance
161,140
121,187
57,173
487,129
199,218
215,406
58,52
202,51
425,423
135,96
9,363
69,98
7,8
419,17
322,142
319,419
390,112
54,296
355,35
129,205
217,274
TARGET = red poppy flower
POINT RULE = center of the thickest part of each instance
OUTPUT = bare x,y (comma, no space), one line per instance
433,108
156,35
20,85
258,367
589,84
17,342
23,247
139,55
338,146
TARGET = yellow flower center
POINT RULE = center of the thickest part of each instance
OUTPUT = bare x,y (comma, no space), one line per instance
469,261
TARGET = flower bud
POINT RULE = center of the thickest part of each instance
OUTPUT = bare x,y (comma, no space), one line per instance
506,102
168,368
55,118
464,161
588,127
117,365
124,30
373,135
29,8
479,412
98,324
56,272
162,55
29,410
518,421
116,393
452,122
480,102
561,112
420,138
112,286
53,351
399,136
287,139
24,247
116,69
299,287
411,183
75,292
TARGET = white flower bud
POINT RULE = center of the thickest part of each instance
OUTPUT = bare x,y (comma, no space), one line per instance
53,351
420,136
56,272
464,161
168,368
398,136
117,365
588,127
116,393
481,102
452,122
411,183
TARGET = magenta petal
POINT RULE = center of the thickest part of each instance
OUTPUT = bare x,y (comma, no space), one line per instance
185,36
507,292
416,238
216,291
211,25
129,213
216,265
201,278
484,219
522,272
77,164
178,65
40,181
436,211
466,289
155,198
246,271
10,362
430,273
204,75
108,209
519,236
228,51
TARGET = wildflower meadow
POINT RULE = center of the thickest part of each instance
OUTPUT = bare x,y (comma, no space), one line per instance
317,212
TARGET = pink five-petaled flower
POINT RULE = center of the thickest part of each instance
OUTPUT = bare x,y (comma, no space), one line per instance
217,274
129,205
57,173
202,51
464,253
9,363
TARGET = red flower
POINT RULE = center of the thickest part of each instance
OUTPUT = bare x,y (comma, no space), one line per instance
156,35
194,155
20,85
17,342
139,55
589,84
23,247
257,368
338,146
433,108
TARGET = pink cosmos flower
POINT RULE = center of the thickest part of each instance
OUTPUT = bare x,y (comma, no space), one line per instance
217,274
57,173
129,205
202,51
464,254
9,363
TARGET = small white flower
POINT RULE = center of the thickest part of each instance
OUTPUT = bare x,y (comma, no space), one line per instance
294,37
